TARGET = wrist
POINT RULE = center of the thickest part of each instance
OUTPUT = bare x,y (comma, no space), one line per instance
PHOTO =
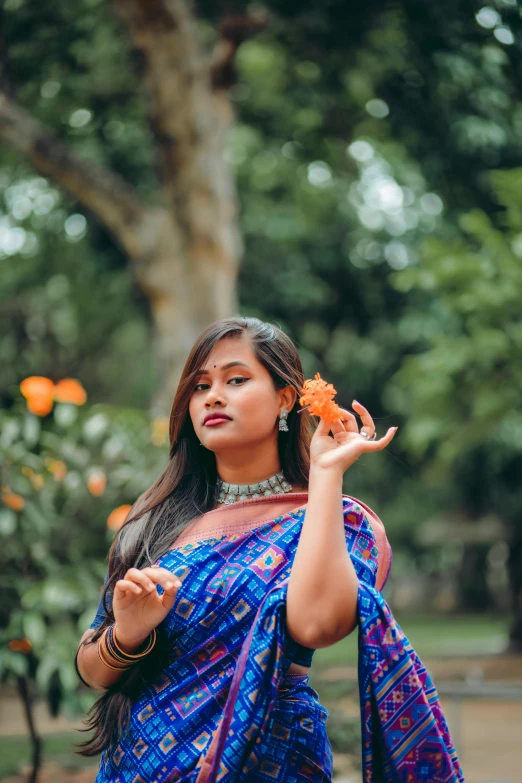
129,644
331,476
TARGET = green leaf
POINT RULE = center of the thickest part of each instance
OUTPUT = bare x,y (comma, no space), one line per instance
7,522
34,628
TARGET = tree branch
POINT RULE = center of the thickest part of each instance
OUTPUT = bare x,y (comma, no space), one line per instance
233,29
107,196
179,93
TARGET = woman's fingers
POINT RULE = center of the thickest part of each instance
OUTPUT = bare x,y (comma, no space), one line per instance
140,578
148,578
163,577
350,422
128,586
366,419
345,423
169,582
377,445
323,428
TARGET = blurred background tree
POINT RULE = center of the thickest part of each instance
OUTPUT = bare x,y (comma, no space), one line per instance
375,153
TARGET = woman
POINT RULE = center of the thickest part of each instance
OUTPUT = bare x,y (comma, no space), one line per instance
242,559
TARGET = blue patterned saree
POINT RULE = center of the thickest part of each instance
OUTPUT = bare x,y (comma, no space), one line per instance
226,709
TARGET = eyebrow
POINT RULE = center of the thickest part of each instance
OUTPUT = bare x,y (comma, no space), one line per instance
224,367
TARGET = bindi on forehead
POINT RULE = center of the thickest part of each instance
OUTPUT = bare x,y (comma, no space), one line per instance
227,366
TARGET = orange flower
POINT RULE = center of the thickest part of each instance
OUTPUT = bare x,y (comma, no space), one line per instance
36,479
56,467
97,482
317,396
11,499
117,517
70,390
20,645
36,386
39,406
38,392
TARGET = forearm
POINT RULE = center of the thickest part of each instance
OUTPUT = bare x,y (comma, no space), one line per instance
323,586
94,671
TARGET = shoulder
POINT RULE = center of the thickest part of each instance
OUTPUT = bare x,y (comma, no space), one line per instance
357,511
359,515
353,511
354,504
359,518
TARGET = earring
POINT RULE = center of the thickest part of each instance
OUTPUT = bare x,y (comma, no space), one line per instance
283,427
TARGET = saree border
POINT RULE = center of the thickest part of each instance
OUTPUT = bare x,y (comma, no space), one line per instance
239,517
241,520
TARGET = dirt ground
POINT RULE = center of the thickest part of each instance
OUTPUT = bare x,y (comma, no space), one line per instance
487,733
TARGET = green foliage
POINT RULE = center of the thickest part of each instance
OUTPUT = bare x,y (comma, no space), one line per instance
53,530
463,386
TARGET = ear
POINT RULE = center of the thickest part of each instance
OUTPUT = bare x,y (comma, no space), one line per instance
287,397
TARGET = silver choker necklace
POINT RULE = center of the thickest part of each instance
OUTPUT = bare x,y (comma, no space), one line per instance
231,493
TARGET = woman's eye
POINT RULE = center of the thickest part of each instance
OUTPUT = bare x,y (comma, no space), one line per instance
236,378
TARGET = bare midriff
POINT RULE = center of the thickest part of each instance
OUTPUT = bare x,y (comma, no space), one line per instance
297,668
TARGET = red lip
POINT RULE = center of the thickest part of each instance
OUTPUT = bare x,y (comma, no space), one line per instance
216,416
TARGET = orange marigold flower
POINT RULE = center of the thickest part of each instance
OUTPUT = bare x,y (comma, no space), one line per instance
70,390
317,396
40,406
37,481
12,499
57,468
96,482
117,517
38,392
36,386
20,645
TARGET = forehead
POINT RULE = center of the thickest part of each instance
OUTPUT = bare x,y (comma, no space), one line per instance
229,349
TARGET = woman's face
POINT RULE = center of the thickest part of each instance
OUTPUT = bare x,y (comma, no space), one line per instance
244,392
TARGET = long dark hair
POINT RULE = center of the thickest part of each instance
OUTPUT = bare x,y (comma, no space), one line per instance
186,489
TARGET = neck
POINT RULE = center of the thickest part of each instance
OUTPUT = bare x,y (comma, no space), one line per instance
242,469
272,485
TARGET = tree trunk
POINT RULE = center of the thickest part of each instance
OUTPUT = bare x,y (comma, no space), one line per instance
24,690
184,253
184,299
515,578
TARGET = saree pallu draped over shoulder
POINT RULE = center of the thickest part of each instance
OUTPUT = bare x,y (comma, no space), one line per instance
226,709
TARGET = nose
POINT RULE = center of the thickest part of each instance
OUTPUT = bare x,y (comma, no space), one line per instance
213,397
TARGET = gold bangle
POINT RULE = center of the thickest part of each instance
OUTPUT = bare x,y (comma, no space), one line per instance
102,653
110,666
111,651
139,655
105,655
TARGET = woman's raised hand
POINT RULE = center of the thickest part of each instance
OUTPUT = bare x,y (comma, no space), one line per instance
347,444
137,606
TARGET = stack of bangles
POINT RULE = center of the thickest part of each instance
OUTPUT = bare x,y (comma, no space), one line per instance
113,656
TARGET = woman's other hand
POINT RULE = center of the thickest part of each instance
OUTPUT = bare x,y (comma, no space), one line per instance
138,608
